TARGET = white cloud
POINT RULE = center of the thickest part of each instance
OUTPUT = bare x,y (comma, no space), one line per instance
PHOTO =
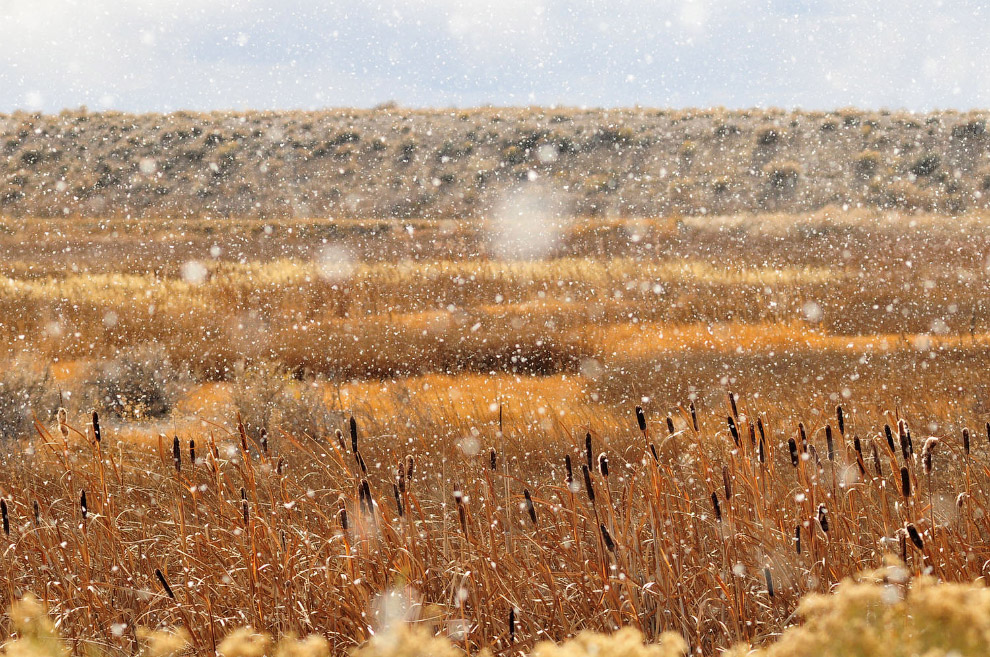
161,55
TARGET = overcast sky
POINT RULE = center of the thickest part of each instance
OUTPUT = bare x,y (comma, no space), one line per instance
162,55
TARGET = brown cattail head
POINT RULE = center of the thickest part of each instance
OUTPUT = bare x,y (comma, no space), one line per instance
63,426
264,441
732,405
829,444
492,459
83,506
860,461
192,451
398,499
340,440
759,427
752,434
176,454
762,454
694,417
889,435
164,583
589,455
928,452
242,432
641,418
410,466
609,543
37,512
352,423
716,507
804,437
792,446
797,539
876,458
244,507
733,430
530,507
905,482
96,427
589,486
903,438
840,420
368,500
670,424
400,478
6,520
512,624
823,517
568,470
965,436
915,537
769,579
603,464
727,483
656,457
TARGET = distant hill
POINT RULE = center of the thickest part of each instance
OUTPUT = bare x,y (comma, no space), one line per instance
394,162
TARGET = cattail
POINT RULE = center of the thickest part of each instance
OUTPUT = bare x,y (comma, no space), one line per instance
176,454
653,450
264,441
813,453
905,482
243,434
762,451
797,538
988,431
398,498
342,514
670,424
766,576
641,418
733,430
694,417
340,440
512,624
910,442
192,451
716,507
589,486
353,426
965,435
804,437
829,444
902,539
461,513
888,434
823,517
83,506
6,520
792,446
244,506
492,459
960,500
361,463
603,464
164,583
96,427
915,536
280,466
530,508
63,427
609,543
400,479
368,500
840,419
727,482
860,461
752,434
903,437
928,452
759,426
732,405
568,470
37,513
876,458
410,466
588,453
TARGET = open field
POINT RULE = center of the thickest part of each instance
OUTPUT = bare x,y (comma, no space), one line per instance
317,428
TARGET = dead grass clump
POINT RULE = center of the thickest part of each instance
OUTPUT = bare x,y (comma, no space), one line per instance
26,390
265,395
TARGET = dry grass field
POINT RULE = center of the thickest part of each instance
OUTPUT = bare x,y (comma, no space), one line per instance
677,425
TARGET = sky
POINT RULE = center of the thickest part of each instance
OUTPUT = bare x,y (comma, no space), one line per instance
166,55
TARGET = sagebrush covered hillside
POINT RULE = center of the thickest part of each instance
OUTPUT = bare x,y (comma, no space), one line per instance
396,162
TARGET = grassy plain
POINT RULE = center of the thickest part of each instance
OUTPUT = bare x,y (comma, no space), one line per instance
484,396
